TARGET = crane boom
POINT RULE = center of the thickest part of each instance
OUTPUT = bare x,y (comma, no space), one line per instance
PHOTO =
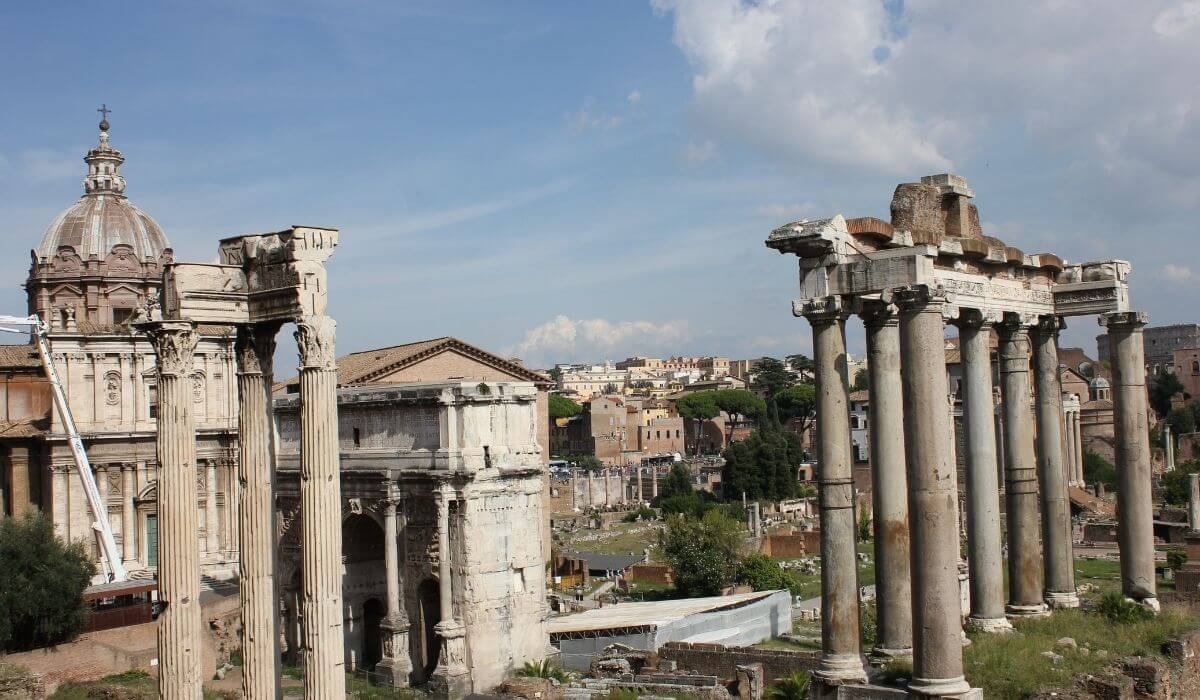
108,545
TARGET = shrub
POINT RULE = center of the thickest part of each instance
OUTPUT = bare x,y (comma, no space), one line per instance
542,669
764,574
642,513
703,553
42,580
793,687
1120,610
1176,558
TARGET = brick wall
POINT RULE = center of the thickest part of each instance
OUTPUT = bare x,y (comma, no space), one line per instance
800,544
722,661
650,573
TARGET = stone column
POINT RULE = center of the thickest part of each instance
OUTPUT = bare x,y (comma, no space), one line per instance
1168,448
840,642
256,511
591,488
889,491
396,665
640,497
1078,437
1020,474
320,511
1057,555
451,678
101,475
1068,444
984,541
653,482
61,509
1135,528
932,497
128,514
1194,501
179,632
21,486
212,528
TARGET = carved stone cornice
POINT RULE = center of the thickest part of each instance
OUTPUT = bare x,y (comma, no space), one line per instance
878,314
255,348
924,298
1123,320
174,346
315,342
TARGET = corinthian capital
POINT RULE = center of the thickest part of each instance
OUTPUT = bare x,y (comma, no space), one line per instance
314,340
255,347
174,346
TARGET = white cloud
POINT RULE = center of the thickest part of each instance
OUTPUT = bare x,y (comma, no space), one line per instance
1177,273
924,86
699,153
580,340
1177,20
634,97
433,220
588,117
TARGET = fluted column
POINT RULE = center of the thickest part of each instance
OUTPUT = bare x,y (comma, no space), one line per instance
395,666
1020,474
128,514
212,529
932,497
1077,436
1057,554
1194,501
101,476
179,633
840,642
320,511
451,677
256,512
1135,511
640,497
889,489
984,540
1168,448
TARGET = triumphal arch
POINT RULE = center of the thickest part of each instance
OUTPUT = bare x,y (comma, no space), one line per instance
907,278
261,282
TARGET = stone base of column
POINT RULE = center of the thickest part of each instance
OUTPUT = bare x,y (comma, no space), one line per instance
1056,600
451,678
943,688
395,667
822,688
1150,604
1025,612
989,625
880,656
838,669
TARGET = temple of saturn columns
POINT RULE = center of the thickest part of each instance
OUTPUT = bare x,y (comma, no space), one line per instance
906,279
262,282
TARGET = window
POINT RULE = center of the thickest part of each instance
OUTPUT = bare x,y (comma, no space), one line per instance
357,438
121,315
1195,366
153,401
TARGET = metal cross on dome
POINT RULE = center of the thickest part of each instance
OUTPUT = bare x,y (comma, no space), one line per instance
104,111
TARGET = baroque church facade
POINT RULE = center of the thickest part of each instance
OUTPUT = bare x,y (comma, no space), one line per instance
98,262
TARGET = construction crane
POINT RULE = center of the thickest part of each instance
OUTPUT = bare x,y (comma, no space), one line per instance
111,558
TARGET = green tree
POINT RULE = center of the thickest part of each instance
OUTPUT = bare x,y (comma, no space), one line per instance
1097,469
864,525
764,465
679,481
562,407
555,373
772,376
697,407
862,380
763,573
798,402
588,463
41,584
703,553
740,403
1182,420
1163,387
612,388
1175,485
800,364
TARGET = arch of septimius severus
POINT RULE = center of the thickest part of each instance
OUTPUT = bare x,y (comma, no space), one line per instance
932,265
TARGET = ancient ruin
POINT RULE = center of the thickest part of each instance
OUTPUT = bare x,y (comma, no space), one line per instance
907,278
261,282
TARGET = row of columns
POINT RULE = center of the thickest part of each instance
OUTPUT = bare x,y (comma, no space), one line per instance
179,631
1073,441
915,481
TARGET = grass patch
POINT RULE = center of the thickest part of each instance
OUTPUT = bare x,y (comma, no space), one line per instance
362,689
786,645
130,685
1011,666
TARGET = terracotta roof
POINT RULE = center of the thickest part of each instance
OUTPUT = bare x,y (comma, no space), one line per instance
1096,405
13,356
860,395
23,428
365,366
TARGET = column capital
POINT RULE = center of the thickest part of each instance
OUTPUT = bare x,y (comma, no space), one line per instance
255,348
978,319
174,346
1049,324
821,311
1015,324
314,340
1130,320
918,298
877,314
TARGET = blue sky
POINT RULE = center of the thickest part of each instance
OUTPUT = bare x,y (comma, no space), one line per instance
585,180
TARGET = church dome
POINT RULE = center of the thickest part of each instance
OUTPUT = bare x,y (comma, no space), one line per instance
103,218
